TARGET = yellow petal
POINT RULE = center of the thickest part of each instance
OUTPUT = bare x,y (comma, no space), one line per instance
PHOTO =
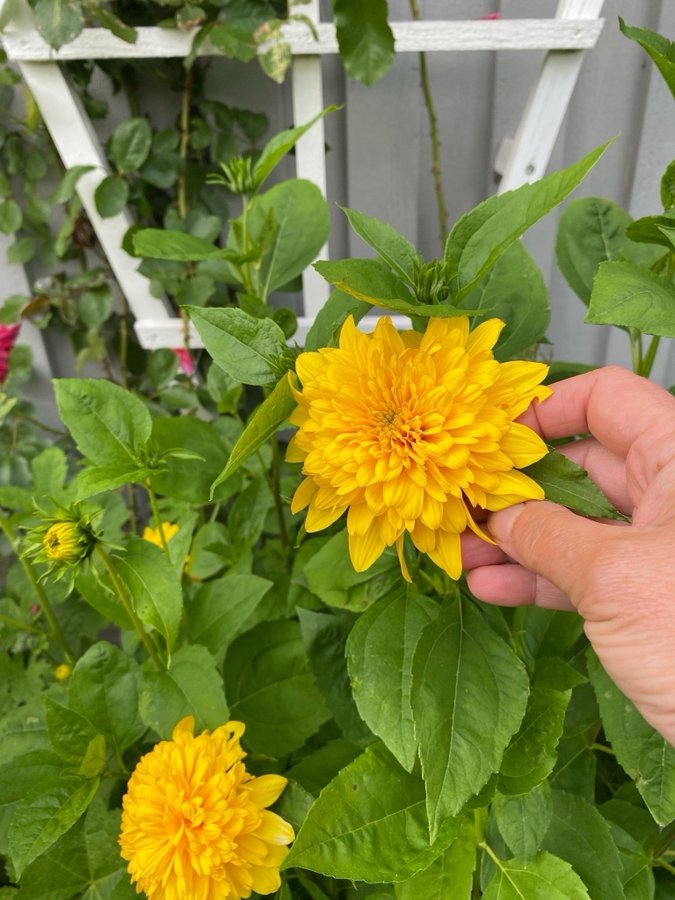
303,495
308,366
522,445
448,553
366,548
359,519
401,559
185,726
318,519
274,829
294,454
484,337
266,789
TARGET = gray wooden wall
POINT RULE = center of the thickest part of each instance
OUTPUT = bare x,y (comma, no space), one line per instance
379,158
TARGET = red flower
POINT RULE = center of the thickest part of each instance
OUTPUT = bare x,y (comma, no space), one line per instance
185,361
8,336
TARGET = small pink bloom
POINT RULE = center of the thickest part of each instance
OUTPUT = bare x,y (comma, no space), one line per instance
185,362
490,17
8,336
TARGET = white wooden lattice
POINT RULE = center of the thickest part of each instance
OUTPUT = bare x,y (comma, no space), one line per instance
575,28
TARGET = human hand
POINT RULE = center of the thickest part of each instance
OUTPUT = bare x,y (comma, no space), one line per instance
619,577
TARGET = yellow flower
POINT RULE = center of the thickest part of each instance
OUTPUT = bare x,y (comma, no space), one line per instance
66,542
62,672
195,824
154,535
409,432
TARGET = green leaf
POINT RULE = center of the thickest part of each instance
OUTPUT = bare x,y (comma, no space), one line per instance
365,39
668,186
21,251
369,824
10,216
514,291
95,480
246,519
546,877
567,483
632,297
27,771
337,584
275,149
192,686
65,190
58,21
235,38
158,243
648,230
317,769
299,214
661,50
224,608
44,814
393,249
450,875
531,755
111,196
580,835
188,480
104,687
483,234
524,820
130,145
646,756
326,327
469,690
270,687
325,635
108,424
591,231
379,657
248,349
266,420
155,590
69,732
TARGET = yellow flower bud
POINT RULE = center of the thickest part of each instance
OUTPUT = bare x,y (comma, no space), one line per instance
62,672
66,542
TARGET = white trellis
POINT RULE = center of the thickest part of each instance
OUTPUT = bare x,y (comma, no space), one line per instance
575,28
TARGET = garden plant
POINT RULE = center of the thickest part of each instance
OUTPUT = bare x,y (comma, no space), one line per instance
239,657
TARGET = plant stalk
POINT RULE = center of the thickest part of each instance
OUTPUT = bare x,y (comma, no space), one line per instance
155,512
184,130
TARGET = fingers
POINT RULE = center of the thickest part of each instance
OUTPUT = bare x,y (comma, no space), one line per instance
511,585
606,469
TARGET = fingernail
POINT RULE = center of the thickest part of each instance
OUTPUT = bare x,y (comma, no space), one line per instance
500,524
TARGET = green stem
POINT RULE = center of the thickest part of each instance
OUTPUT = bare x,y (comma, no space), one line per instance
650,355
38,424
125,600
636,349
664,865
433,134
667,838
14,623
245,267
602,749
43,599
124,342
155,512
184,130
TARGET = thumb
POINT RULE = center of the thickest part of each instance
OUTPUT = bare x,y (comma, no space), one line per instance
549,540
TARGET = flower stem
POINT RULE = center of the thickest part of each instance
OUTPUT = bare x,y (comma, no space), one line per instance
433,134
636,349
184,131
46,607
125,599
155,512
650,355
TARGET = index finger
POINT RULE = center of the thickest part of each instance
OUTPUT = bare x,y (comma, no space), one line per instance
614,405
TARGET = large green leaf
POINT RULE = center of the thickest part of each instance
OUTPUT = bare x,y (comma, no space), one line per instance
469,690
369,824
269,687
192,686
365,38
546,877
483,234
58,21
326,327
224,608
108,424
567,483
160,243
632,297
524,820
661,50
70,733
276,148
46,813
580,835
646,756
250,350
94,480
379,656
188,479
514,291
393,249
450,875
155,590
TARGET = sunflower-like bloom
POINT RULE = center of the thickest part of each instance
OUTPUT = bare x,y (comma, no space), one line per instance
67,542
195,824
154,535
410,432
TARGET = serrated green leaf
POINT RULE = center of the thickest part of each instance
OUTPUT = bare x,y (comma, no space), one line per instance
276,148
369,824
632,297
469,690
108,424
567,483
192,686
661,50
546,877
450,875
184,479
645,755
159,243
483,234
69,732
393,249
648,229
524,820
26,772
96,479
325,329
379,656
668,186
365,39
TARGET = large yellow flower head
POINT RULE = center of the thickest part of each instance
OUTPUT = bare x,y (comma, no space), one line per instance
195,824
409,432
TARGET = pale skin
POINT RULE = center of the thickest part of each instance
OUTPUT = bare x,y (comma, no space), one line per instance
620,577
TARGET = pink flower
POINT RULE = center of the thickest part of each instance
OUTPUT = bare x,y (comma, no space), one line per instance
186,364
8,336
490,17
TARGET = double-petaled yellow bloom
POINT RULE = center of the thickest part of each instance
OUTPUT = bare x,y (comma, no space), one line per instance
409,432
195,824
